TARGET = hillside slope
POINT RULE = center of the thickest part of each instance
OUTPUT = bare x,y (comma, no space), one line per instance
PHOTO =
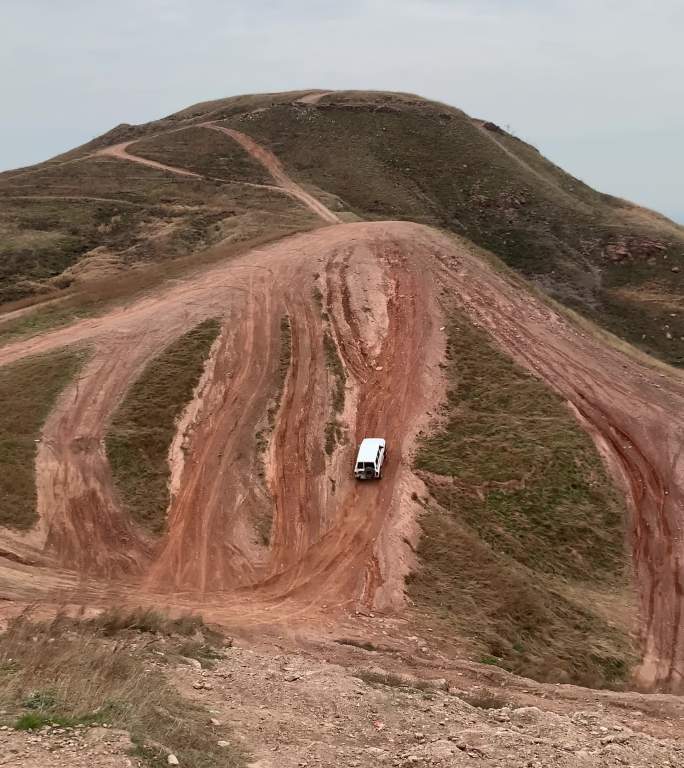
374,155
278,358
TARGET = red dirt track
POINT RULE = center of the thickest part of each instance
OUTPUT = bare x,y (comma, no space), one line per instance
334,544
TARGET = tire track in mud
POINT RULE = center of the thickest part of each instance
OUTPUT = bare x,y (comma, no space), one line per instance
82,524
342,567
298,470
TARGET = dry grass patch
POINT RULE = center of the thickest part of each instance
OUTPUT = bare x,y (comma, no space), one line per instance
28,390
144,425
284,361
392,680
484,699
98,295
72,672
204,151
365,645
263,522
53,218
334,432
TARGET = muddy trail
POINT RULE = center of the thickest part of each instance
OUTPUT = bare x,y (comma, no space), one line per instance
318,515
265,523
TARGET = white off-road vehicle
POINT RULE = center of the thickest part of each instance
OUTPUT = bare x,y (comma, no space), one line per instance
371,457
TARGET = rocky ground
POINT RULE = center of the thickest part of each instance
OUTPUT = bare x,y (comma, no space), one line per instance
291,712
81,747
295,709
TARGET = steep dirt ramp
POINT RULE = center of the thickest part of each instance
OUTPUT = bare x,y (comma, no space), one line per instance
343,566
275,168
298,467
321,526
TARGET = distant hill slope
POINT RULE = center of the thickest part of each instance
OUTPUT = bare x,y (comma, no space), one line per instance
373,155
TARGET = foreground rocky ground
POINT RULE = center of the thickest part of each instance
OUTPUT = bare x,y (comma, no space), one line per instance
288,709
65,747
291,712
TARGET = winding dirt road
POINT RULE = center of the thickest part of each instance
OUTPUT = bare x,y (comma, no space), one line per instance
264,524
274,167
120,151
283,182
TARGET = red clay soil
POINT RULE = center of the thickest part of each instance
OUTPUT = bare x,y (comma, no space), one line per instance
211,544
335,544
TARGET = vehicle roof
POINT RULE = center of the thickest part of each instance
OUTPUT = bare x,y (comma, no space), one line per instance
368,449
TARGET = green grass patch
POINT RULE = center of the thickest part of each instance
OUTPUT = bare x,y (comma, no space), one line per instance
28,390
204,151
69,672
284,361
521,505
334,432
144,425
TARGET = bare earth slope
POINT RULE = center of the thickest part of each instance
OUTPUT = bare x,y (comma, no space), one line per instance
366,352
327,531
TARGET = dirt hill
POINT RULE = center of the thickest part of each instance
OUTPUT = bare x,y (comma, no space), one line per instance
206,314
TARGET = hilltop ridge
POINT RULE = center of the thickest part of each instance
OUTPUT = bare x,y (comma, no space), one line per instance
370,155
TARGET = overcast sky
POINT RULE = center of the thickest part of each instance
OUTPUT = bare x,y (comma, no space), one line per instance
596,85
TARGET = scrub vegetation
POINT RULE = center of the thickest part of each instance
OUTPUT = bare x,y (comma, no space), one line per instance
396,156
28,391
